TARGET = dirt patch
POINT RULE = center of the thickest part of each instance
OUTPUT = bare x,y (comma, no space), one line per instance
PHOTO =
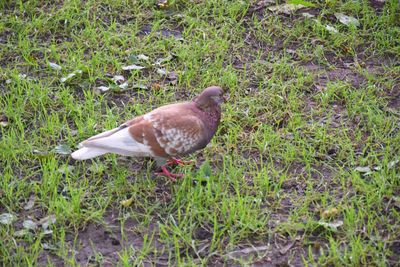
104,240
323,76
101,243
377,5
147,29
394,97
278,251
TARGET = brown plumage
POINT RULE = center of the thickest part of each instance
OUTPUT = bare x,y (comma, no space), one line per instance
169,131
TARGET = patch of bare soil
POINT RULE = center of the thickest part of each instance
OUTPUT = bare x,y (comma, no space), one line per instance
377,5
346,74
104,240
341,75
394,98
276,251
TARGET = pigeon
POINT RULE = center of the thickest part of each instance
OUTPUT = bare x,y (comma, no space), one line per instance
165,134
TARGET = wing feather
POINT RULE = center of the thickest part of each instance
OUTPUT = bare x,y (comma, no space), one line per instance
176,132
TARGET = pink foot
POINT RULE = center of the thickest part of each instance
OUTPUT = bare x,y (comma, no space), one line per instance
175,162
167,173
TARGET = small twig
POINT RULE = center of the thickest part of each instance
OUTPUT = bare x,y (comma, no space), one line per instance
286,248
251,11
248,250
261,5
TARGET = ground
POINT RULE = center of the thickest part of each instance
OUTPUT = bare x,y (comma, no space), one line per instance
304,168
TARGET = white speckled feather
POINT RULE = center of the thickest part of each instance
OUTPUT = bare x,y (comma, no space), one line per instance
176,140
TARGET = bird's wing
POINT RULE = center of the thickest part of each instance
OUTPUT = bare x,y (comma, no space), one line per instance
112,131
177,130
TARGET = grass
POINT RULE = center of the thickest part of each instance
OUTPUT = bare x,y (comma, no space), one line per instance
306,108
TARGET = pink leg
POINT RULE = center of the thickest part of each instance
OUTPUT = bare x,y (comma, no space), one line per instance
168,174
175,162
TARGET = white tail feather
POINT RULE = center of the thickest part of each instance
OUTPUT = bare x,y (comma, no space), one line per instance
119,142
88,153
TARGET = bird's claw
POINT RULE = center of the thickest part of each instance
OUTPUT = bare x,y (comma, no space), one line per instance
167,173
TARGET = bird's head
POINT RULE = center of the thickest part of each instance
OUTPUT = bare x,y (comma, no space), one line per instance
211,96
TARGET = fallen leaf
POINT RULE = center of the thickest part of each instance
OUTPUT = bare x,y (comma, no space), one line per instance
55,66
47,246
236,253
170,75
69,76
47,221
377,168
103,88
160,61
21,233
393,163
134,59
7,218
363,169
47,232
124,86
162,71
132,67
139,86
332,226
30,203
63,149
40,153
329,213
118,78
307,15
143,57
29,224
331,29
347,20
389,166
285,8
127,202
